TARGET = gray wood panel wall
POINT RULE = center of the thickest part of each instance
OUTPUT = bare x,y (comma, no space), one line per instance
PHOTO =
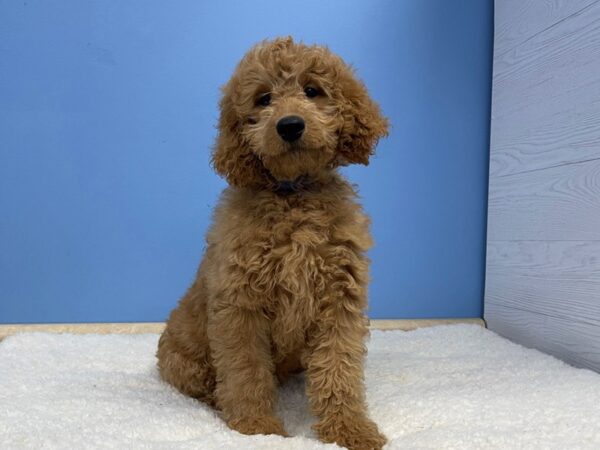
543,251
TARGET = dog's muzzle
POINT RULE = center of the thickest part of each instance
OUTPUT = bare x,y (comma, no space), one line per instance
290,128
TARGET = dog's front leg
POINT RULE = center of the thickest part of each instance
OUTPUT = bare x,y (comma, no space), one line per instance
246,386
335,379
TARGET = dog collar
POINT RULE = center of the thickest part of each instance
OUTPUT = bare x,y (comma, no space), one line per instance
287,187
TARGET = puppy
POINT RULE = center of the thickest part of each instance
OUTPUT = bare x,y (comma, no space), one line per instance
282,286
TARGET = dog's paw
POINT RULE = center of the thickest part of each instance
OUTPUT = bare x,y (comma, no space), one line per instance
357,434
257,425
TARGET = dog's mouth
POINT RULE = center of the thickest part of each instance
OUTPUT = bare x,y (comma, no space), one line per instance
296,146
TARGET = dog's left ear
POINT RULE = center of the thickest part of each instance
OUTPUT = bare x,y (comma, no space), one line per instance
363,124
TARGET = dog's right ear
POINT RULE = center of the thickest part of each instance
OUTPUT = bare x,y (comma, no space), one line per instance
232,157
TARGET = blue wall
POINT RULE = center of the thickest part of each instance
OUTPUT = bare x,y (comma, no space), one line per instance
107,114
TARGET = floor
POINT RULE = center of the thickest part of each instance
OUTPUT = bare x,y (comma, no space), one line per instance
451,386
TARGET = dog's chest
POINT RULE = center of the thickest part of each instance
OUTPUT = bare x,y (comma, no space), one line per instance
295,260
289,254
296,252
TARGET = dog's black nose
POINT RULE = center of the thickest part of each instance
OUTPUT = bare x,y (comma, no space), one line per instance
290,128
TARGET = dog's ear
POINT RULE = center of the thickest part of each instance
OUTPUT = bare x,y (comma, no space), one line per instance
362,122
232,157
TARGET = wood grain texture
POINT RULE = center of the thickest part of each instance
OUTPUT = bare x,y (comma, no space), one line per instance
554,278
560,203
158,327
413,324
574,342
83,328
543,253
546,98
514,24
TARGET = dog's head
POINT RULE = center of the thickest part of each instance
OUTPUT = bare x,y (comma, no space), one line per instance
293,110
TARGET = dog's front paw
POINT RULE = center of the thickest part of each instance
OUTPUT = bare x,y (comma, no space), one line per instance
257,425
354,434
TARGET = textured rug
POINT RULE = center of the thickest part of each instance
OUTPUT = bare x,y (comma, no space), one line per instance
456,386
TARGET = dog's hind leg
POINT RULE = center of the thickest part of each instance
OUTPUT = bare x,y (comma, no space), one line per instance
183,351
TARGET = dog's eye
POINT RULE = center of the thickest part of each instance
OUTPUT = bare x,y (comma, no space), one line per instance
264,100
311,92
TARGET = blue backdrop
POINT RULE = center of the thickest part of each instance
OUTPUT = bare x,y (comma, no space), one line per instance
107,114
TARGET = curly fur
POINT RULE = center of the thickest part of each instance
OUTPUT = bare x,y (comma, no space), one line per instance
282,286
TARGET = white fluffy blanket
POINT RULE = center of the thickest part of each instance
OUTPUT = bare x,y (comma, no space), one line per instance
457,386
